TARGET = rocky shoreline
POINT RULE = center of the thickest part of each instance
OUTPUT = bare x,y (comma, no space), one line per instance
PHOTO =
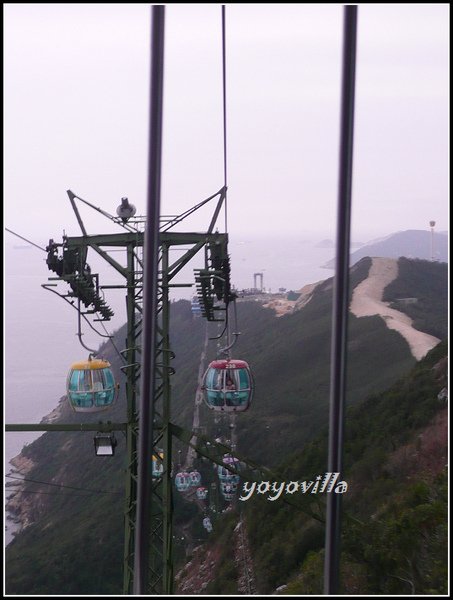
17,509
19,506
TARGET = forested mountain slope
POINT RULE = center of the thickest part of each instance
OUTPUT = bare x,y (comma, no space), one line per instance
394,527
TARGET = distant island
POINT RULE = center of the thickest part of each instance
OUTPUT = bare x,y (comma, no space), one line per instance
412,243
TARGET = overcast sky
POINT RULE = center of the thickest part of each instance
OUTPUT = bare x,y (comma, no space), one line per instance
76,115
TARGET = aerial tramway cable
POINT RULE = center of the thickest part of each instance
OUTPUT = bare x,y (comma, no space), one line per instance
224,113
150,285
229,345
340,301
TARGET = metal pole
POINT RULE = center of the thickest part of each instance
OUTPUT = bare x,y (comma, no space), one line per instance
150,303
132,373
167,501
340,301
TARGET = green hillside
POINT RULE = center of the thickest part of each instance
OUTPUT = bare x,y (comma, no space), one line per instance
422,282
394,533
75,544
395,466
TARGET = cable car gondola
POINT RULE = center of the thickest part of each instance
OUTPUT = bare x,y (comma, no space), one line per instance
207,524
182,481
228,385
202,493
91,386
228,491
195,478
195,307
158,463
224,474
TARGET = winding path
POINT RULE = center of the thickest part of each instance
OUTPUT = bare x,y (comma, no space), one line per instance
367,301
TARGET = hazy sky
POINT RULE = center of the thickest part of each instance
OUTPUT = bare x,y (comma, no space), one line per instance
76,115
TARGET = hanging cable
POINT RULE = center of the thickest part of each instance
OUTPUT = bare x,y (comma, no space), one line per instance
111,338
52,493
225,176
340,302
25,239
60,485
225,179
144,506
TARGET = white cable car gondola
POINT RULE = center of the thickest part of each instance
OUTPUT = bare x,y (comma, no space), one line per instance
195,307
228,491
182,481
207,524
195,478
228,385
91,386
202,493
224,474
158,463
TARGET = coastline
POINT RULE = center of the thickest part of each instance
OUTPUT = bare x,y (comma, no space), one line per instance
19,507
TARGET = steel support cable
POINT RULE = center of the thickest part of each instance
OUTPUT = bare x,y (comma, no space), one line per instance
47,287
68,301
340,301
61,485
25,239
111,338
225,177
52,493
150,285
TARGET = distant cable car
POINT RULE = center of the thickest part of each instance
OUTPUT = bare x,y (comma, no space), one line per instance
207,524
195,478
182,481
228,491
228,385
224,474
226,477
195,307
158,463
202,493
91,386
228,488
231,460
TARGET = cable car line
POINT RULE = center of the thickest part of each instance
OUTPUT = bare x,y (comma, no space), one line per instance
111,339
79,328
48,287
60,485
340,304
236,334
224,113
52,493
25,239
175,220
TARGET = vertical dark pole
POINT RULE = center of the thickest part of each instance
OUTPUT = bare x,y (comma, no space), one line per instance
340,302
151,248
